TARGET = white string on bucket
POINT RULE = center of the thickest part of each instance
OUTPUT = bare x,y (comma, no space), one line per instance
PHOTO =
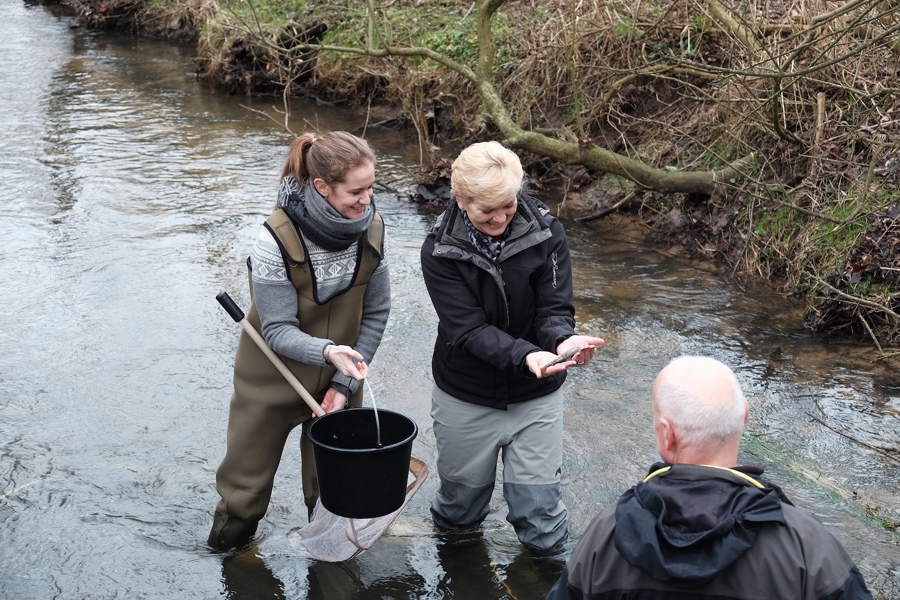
375,407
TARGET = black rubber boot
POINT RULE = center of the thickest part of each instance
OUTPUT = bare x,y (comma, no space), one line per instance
228,533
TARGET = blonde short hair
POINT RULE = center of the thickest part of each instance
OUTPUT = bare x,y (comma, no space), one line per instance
486,172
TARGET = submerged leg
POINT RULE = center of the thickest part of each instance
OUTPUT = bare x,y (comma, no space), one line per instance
468,444
256,436
532,464
230,532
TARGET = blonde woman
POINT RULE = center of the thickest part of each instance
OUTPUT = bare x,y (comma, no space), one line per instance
496,265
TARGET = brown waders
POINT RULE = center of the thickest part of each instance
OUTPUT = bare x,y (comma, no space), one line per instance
257,433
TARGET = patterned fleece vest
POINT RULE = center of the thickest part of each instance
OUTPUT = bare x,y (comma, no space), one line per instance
337,319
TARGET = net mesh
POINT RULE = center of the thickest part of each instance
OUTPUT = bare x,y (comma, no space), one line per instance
331,538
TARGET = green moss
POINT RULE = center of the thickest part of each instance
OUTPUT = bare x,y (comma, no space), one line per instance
272,15
833,241
778,225
428,26
796,466
803,242
260,19
458,40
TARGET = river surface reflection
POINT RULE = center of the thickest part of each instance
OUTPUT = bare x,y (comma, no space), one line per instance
131,196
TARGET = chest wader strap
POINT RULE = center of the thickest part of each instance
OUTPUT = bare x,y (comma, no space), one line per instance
296,258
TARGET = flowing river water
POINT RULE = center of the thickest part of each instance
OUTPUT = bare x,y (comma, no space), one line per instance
130,197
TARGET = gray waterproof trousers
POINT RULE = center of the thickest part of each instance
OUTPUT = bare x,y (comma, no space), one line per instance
528,438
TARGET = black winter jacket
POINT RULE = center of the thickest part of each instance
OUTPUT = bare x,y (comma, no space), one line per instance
690,531
493,315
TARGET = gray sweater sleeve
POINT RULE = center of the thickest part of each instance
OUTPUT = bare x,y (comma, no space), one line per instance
376,308
276,303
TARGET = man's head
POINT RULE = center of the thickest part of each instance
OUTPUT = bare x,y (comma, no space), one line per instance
699,412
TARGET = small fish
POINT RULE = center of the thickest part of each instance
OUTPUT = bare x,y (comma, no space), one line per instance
566,356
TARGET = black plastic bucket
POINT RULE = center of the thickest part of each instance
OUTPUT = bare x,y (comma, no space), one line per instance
357,479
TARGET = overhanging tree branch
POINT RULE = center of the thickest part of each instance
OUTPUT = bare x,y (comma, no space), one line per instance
589,156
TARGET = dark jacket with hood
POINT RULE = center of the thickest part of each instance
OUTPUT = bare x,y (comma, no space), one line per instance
493,315
691,531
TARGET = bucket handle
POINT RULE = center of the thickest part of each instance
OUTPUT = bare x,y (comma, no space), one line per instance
238,315
378,443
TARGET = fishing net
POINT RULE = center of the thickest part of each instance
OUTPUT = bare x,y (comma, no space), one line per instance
331,538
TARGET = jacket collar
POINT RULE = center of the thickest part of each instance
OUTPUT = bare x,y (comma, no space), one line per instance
528,228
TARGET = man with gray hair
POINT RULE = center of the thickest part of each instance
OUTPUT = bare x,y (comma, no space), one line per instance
699,526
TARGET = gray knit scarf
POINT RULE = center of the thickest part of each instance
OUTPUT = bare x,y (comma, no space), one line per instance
317,219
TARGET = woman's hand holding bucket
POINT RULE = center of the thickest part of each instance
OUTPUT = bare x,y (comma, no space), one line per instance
350,363
334,400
